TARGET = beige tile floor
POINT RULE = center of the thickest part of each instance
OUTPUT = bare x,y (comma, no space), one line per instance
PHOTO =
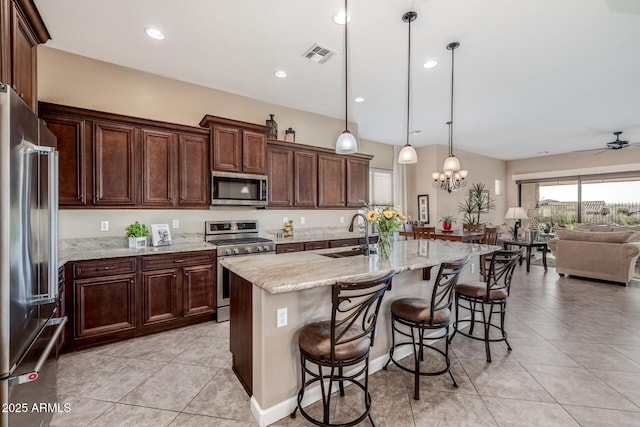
575,361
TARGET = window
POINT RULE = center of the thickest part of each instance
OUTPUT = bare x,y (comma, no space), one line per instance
380,187
593,199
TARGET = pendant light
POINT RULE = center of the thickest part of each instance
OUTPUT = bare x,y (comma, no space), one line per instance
408,153
452,178
346,143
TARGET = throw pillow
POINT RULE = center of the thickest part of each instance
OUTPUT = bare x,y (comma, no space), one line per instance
595,236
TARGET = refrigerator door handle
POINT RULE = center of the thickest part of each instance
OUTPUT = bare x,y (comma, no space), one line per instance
33,375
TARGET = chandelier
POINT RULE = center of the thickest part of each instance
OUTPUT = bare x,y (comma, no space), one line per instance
452,177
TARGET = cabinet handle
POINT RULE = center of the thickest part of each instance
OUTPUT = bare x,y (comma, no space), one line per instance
132,281
22,96
178,260
105,268
14,87
175,276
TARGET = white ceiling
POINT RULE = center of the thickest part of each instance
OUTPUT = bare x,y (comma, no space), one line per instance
531,76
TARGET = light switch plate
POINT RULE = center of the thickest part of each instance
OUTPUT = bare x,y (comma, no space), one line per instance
176,223
104,225
303,220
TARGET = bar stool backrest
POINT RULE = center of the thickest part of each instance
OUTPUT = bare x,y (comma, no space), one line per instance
501,268
442,294
355,307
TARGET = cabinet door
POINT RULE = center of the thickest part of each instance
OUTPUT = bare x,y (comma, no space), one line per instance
114,164
331,181
280,173
158,160
227,149
198,288
104,305
193,170
357,182
72,180
305,179
23,54
254,147
159,296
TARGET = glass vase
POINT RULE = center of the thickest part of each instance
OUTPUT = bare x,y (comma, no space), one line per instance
384,245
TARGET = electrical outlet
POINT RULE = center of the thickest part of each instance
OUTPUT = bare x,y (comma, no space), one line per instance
341,220
176,223
104,225
473,268
303,220
285,219
282,317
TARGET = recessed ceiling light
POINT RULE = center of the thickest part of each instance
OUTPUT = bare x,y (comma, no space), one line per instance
431,63
338,18
281,74
359,99
155,33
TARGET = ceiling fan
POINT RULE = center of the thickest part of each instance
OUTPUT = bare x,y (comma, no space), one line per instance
617,144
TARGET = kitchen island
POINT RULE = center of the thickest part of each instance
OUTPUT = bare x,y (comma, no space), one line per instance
266,357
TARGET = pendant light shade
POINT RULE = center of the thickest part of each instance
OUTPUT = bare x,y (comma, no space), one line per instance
408,154
346,143
452,164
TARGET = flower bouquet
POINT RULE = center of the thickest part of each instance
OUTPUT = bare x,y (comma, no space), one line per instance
387,221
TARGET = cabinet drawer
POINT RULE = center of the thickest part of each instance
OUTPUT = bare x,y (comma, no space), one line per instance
289,247
309,246
103,267
342,243
177,259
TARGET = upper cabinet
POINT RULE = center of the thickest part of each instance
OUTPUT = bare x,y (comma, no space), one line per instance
114,161
305,176
237,146
21,30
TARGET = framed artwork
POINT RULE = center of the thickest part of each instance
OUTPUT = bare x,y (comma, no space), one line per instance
483,201
423,208
160,234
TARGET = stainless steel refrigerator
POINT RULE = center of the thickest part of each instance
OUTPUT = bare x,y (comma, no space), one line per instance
29,325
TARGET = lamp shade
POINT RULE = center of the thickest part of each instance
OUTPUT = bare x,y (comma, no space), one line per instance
452,164
407,155
346,143
516,213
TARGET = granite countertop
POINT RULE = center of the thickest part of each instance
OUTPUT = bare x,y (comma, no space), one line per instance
115,247
303,270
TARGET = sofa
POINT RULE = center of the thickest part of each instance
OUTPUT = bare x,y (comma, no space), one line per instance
610,253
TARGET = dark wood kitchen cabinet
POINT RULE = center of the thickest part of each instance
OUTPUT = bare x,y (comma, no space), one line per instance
305,179
21,30
331,181
104,298
118,298
357,182
237,146
280,172
113,161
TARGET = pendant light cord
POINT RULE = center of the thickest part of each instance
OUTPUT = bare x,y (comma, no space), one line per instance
453,48
408,81
346,69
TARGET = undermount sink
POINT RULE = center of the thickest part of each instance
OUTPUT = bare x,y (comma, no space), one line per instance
350,252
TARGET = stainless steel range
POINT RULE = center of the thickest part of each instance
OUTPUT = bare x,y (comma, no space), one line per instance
233,238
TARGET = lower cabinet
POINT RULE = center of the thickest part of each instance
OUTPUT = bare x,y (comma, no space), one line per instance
119,298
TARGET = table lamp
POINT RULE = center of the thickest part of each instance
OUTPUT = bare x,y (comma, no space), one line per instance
517,214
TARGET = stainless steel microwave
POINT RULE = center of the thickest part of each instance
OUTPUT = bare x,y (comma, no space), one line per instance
238,189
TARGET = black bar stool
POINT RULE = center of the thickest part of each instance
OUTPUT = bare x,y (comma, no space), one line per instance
342,342
420,315
491,295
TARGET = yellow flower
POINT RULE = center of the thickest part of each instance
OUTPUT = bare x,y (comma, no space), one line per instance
400,216
388,214
372,216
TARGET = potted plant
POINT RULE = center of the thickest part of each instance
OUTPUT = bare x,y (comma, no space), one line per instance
137,234
477,202
447,220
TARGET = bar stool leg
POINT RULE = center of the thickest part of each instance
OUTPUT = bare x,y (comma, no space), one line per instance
473,316
487,327
455,324
446,351
341,383
503,308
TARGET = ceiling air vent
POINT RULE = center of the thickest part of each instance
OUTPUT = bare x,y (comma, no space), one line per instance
318,53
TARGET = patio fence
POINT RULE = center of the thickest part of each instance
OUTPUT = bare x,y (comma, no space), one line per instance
556,213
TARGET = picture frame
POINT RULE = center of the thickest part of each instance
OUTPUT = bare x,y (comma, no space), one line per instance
485,197
160,234
423,208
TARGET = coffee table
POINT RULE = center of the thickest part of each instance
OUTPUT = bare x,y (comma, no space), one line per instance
539,244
